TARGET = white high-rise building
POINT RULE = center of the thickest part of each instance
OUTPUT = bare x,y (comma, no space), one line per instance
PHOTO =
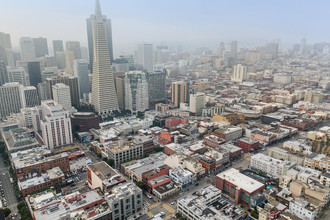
197,103
144,56
29,96
232,48
61,95
18,74
10,99
136,91
89,22
27,48
52,124
239,73
104,97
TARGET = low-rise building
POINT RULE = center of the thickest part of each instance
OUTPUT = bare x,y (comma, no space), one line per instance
166,190
212,141
229,118
19,139
86,205
247,144
229,133
208,203
271,166
186,162
234,151
318,162
154,173
182,176
238,186
147,143
301,208
101,175
125,201
325,179
38,160
122,151
53,177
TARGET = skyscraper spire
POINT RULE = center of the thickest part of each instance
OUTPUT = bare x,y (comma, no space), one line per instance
98,12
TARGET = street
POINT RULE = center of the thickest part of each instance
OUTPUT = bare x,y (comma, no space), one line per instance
8,189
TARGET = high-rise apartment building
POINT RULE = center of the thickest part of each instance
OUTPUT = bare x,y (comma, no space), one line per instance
60,61
180,93
5,41
89,22
18,74
80,70
104,97
136,91
120,88
3,73
52,124
34,71
271,50
232,48
157,88
144,56
42,91
69,60
27,48
10,99
239,73
74,46
221,49
61,94
197,103
29,96
70,81
40,46
57,46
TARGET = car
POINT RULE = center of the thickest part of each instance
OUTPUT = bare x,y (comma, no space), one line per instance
149,196
173,203
162,213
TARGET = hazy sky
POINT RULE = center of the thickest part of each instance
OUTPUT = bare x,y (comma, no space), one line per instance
190,22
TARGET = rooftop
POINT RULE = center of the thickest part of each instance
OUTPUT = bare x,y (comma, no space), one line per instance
240,180
103,170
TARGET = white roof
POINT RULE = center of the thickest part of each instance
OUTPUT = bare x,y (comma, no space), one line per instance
240,180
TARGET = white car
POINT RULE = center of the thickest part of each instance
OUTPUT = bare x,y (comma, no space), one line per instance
162,213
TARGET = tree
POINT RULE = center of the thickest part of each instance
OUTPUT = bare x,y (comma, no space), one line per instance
158,149
6,212
141,185
110,162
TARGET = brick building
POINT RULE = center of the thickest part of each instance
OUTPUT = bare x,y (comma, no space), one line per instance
208,163
147,142
155,173
84,121
38,160
238,186
53,177
212,141
247,144
173,122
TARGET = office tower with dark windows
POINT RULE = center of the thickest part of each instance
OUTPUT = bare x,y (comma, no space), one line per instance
40,46
57,46
80,70
34,72
157,89
89,22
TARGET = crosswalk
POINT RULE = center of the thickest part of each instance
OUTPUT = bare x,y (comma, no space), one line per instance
168,208
149,214
153,205
169,217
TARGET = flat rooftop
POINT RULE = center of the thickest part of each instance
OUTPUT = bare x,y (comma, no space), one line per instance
240,180
102,170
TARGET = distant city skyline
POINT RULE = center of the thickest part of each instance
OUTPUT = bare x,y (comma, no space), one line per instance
190,23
